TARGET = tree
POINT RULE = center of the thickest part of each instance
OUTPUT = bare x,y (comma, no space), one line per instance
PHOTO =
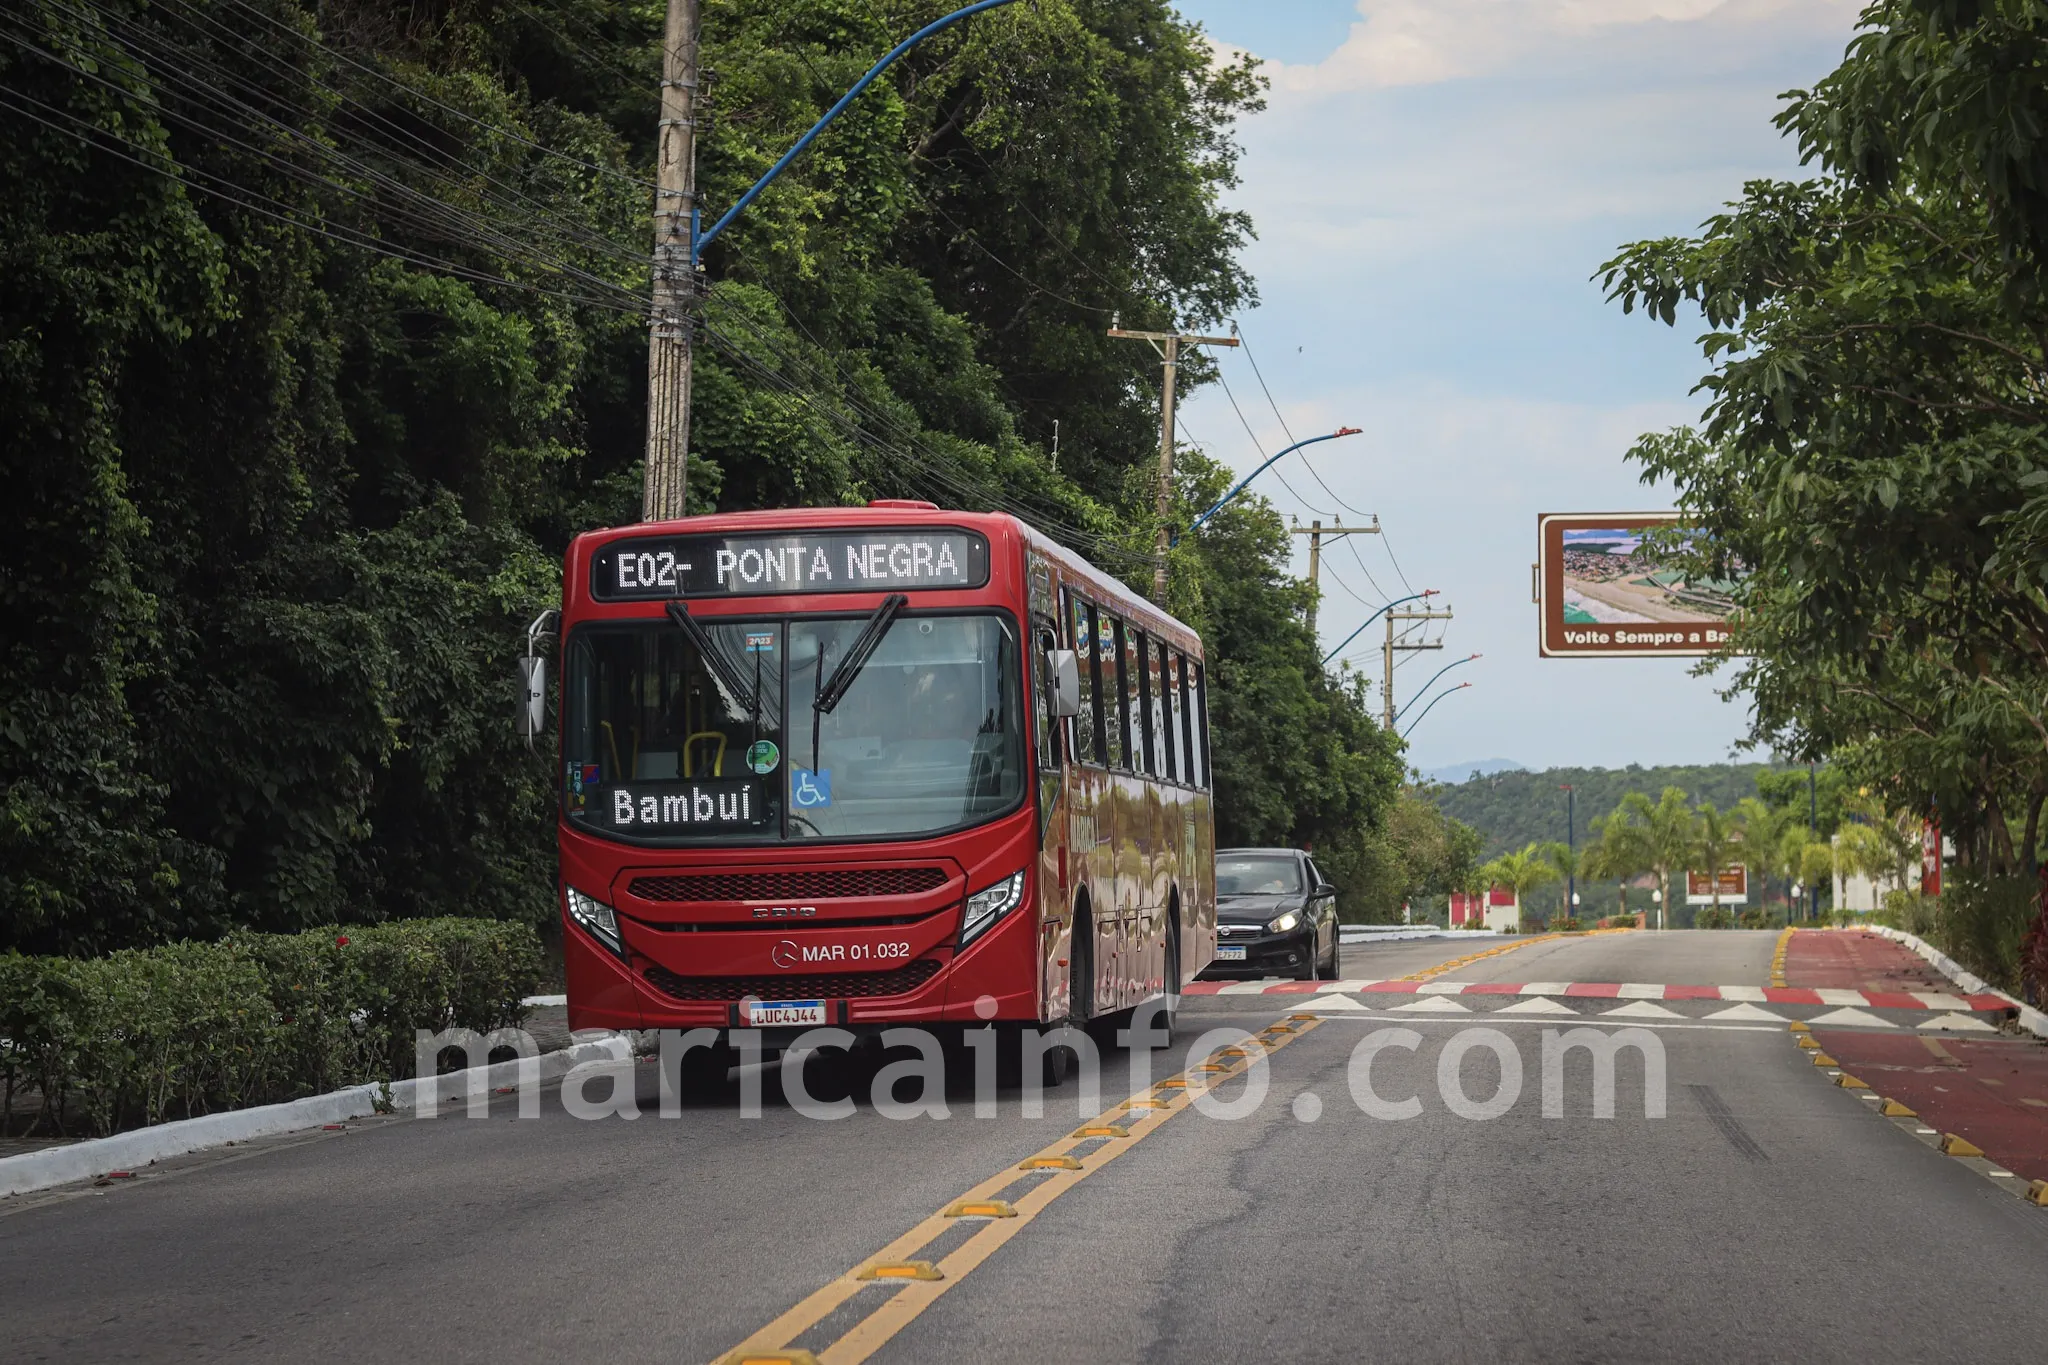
1716,836
1660,833
1621,850
1522,871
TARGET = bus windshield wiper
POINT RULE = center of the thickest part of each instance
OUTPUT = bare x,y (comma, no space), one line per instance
720,666
864,644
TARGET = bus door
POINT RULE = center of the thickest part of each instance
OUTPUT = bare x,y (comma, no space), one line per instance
1137,840
1091,801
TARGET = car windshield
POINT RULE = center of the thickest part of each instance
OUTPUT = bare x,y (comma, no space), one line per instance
663,743
1257,874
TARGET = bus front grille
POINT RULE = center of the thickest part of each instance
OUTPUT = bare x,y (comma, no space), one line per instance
817,884
822,986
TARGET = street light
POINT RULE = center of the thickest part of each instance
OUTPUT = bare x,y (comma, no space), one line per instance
699,240
1426,592
1431,707
1571,842
1196,525
1657,904
1432,682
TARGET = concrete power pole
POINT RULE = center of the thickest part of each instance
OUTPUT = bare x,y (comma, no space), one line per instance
1315,531
675,276
1168,345
1387,663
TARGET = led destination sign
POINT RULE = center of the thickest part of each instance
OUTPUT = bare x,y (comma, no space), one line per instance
818,561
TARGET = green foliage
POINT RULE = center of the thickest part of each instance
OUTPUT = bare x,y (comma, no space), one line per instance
1514,809
1419,852
322,331
1874,448
181,1029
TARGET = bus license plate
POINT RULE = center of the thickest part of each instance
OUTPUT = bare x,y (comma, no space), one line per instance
767,1013
1230,952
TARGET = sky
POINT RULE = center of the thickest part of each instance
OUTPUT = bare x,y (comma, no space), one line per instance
1434,183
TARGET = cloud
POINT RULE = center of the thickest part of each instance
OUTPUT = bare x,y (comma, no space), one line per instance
1426,42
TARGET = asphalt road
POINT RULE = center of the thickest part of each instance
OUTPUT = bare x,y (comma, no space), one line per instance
1766,1215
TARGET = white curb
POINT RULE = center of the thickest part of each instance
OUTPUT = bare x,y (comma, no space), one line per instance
2032,1020
126,1151
1363,933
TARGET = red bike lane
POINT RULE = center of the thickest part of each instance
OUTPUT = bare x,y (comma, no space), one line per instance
1989,1088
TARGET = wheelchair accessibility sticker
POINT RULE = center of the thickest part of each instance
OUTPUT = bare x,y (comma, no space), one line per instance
809,790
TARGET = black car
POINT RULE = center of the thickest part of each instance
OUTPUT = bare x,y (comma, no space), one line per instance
1275,915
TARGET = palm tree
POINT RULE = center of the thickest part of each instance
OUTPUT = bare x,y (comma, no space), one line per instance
1621,850
1768,848
1715,836
1665,829
1523,871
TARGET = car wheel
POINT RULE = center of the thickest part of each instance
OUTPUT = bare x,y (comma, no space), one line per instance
1335,965
1311,962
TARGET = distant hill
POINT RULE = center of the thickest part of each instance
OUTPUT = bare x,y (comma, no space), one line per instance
1511,809
1454,773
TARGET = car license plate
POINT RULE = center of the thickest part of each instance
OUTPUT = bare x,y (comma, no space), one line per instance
1230,952
767,1013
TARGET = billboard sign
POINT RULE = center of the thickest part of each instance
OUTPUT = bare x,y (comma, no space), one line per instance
1734,888
1601,592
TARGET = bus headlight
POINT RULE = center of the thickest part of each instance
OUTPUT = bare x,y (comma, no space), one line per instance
598,918
986,907
1284,923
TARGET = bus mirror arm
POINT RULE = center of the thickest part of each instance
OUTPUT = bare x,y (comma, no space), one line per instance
1064,670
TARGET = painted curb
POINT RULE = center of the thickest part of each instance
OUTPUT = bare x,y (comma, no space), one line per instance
1358,933
125,1151
2032,1020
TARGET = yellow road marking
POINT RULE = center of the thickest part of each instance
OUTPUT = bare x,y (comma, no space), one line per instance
1065,1171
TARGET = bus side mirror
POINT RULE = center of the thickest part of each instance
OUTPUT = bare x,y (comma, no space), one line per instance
1065,673
533,697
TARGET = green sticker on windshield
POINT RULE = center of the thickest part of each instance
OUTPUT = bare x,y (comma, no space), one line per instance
762,756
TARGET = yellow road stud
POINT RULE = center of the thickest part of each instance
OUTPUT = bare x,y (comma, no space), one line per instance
1892,1109
1959,1146
1848,1082
1176,1083
1799,1027
1095,1130
1049,1163
1144,1104
1809,1042
2037,1193
1822,1059
1302,1018
1213,1067
902,1270
981,1208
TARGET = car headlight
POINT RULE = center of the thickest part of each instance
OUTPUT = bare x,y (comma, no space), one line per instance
986,907
597,917
1284,923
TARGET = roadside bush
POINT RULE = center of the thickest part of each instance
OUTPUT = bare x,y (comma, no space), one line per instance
1911,912
1756,917
1981,923
1618,922
148,1034
1713,917
1565,924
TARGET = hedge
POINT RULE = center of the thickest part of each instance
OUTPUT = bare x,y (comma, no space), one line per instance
149,1034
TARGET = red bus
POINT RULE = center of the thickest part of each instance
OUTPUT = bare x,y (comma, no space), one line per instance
868,767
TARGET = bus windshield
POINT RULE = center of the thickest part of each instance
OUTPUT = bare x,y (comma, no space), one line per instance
661,746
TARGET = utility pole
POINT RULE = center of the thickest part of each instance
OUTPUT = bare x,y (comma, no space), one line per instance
1387,681
1168,345
675,274
1315,531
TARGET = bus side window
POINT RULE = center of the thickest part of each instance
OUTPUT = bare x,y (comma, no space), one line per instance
1134,700
1145,661
1176,764
1041,674
1156,675
1115,732
1088,724
1109,655
1204,755
1184,717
